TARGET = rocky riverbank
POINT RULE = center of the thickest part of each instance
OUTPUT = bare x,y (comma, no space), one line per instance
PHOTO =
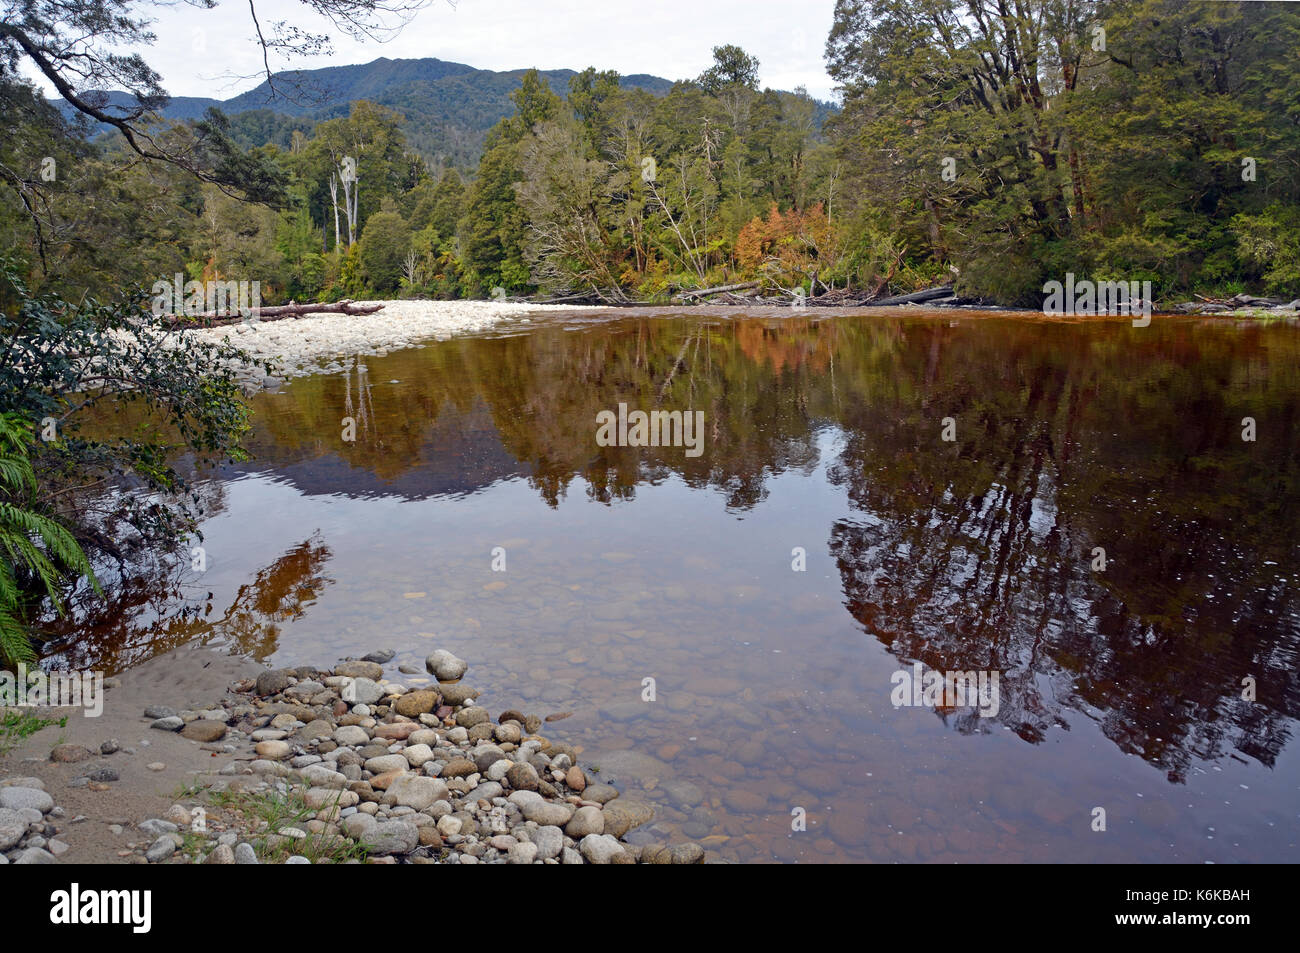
309,766
1244,306
322,343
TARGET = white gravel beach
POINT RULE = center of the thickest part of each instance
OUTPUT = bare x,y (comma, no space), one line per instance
316,344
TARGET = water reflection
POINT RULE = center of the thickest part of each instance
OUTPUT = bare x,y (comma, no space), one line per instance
1071,441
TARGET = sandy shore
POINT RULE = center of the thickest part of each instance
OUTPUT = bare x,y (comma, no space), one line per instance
318,343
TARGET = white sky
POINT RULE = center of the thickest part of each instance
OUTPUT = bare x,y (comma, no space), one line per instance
212,52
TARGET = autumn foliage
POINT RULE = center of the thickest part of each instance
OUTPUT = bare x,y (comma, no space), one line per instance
788,246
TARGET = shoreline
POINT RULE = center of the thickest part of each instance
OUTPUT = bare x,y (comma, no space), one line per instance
347,765
317,344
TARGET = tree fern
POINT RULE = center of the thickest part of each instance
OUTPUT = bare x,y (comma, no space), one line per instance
30,542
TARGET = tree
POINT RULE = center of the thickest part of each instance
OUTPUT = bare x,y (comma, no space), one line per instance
384,247
494,227
732,66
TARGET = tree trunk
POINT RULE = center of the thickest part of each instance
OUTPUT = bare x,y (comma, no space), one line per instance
213,319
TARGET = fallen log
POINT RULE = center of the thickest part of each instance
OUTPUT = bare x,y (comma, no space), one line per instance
705,292
212,319
916,297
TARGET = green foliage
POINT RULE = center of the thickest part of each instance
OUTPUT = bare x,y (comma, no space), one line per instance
1269,243
383,249
58,360
16,726
1009,143
732,66
352,279
35,550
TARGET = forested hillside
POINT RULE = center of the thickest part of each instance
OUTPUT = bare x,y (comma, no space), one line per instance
1128,139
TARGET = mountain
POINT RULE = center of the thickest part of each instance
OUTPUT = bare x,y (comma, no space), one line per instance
449,107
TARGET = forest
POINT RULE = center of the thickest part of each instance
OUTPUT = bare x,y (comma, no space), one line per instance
991,146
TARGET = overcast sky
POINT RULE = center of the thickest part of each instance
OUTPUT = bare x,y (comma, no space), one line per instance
213,53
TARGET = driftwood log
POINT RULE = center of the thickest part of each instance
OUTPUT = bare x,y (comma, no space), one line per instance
212,319
916,297
705,292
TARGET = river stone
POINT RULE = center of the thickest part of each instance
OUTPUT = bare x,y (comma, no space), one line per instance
684,793
549,841
397,731
457,694
634,765
575,779
18,798
586,820
273,750
509,733
13,827
221,854
360,669
273,682
549,813
744,801
413,704
161,849
687,854
524,852
69,754
417,755
384,763
416,791
316,729
359,826
363,691
623,814
393,837
485,792
444,666
351,735
680,854
522,776
600,793
469,717
204,730
36,855
524,798
244,853
486,755
599,848
318,775
170,723
458,768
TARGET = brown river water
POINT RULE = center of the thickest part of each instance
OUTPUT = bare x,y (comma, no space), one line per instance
825,540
